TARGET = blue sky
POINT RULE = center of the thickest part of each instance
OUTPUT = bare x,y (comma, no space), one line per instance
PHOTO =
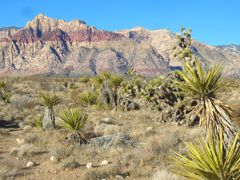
214,22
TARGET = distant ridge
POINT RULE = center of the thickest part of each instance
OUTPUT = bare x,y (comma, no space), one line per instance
56,47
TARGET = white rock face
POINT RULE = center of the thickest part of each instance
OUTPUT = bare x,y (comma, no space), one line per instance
30,164
89,165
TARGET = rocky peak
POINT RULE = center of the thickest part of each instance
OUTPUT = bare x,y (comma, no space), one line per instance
45,24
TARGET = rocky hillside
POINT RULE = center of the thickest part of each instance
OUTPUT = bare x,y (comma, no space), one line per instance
164,41
50,46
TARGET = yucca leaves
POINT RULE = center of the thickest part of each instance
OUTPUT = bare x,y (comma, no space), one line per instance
209,160
37,122
50,100
73,119
197,83
88,98
116,80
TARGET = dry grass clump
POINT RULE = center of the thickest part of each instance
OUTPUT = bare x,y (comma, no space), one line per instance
4,132
165,175
29,146
26,150
70,163
109,172
61,151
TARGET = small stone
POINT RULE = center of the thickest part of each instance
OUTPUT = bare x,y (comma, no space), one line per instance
27,127
89,165
149,129
53,159
104,162
30,164
119,177
21,124
106,119
20,141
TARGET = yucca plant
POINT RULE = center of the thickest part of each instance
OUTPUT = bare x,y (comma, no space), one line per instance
201,85
210,160
115,81
49,101
88,98
99,80
84,79
74,119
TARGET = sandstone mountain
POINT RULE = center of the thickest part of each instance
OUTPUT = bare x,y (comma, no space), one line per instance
50,46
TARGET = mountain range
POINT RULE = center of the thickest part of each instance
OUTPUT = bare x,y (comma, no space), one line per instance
47,46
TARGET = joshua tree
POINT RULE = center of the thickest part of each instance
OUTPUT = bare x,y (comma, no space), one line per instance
183,51
49,101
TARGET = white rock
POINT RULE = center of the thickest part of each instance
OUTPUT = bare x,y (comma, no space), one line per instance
20,141
149,129
119,177
89,165
104,162
27,127
30,164
106,119
53,159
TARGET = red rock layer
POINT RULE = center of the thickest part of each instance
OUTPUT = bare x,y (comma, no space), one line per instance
29,35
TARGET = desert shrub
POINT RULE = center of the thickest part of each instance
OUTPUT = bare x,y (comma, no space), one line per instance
84,79
70,163
26,150
210,160
60,151
20,101
33,139
4,132
164,174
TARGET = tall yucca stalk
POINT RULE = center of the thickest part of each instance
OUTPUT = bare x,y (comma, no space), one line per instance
49,101
210,160
201,85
